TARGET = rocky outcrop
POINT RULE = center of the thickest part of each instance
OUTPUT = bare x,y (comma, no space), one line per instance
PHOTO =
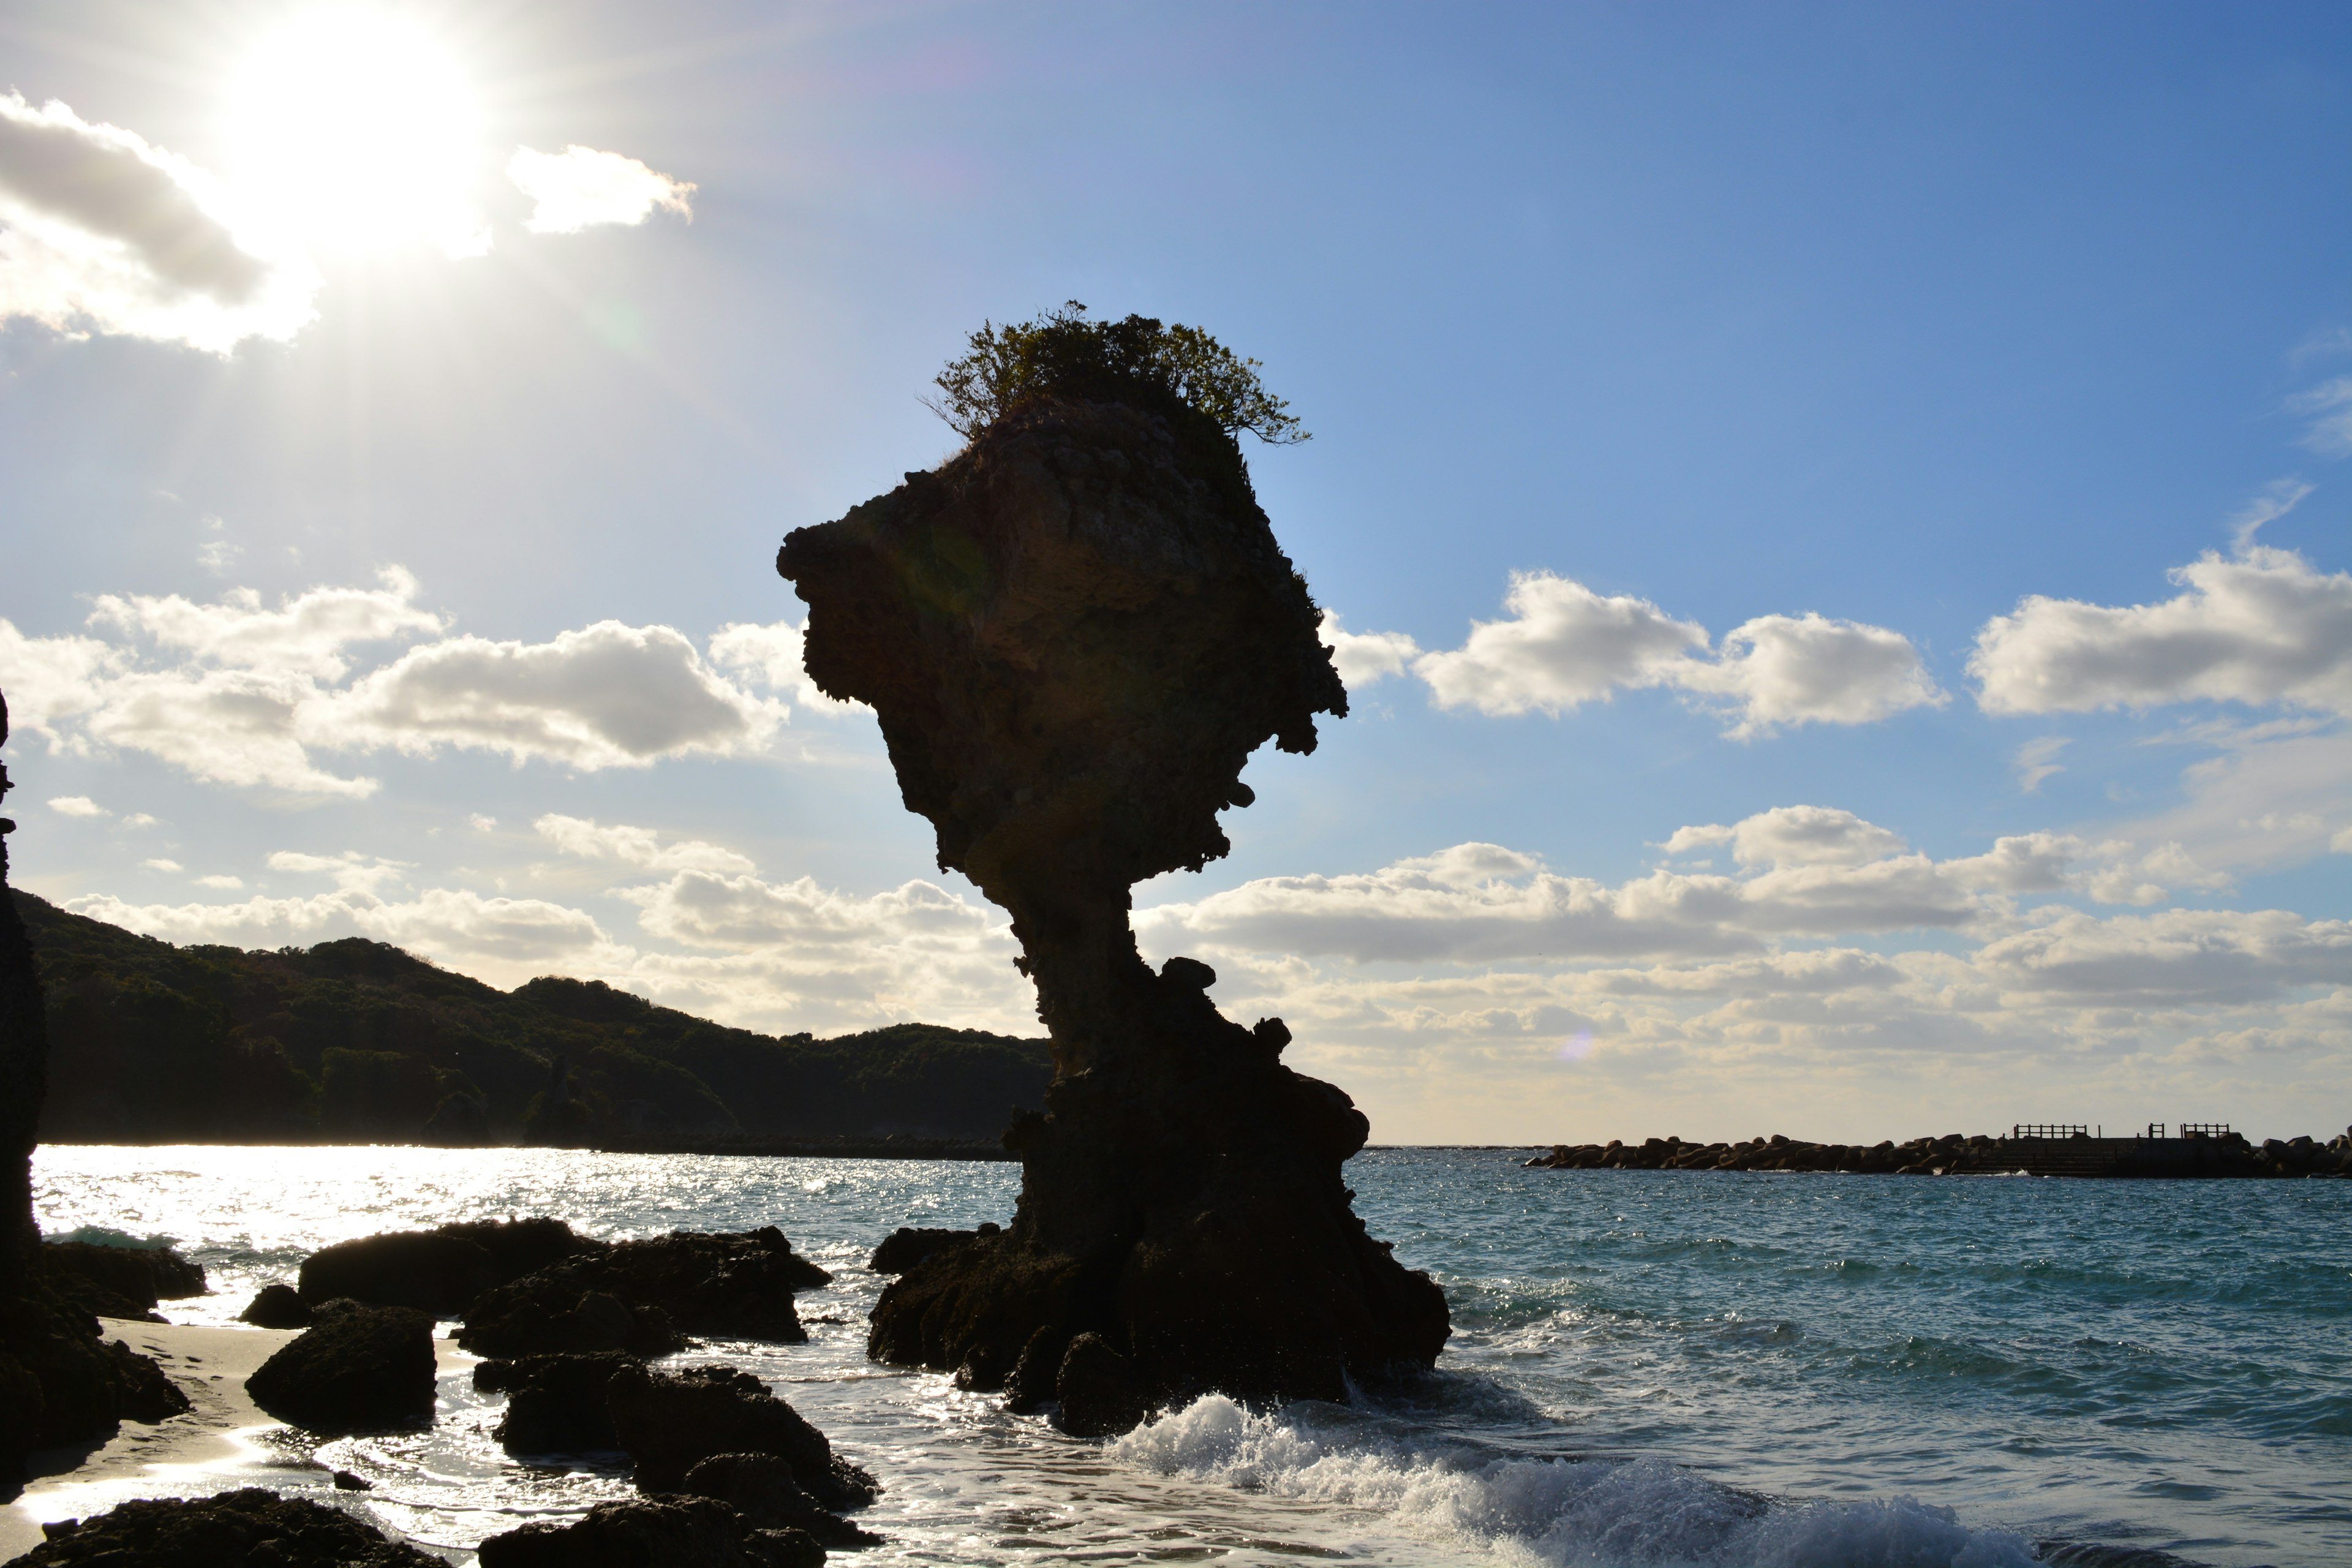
1074,635
555,1403
1955,1154
441,1270
229,1530
276,1307
910,1245
670,1422
639,1294
356,1369
641,1533
767,1492
61,1382
119,1281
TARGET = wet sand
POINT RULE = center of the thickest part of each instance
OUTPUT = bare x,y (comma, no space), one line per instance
211,1365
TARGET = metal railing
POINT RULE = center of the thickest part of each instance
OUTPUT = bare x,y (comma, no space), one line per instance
2204,1130
2050,1130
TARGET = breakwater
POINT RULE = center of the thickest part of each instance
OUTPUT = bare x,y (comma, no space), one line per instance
2073,1154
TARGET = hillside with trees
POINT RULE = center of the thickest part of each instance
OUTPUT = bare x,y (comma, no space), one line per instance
356,1042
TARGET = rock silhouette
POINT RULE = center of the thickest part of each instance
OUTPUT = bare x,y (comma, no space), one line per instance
59,1382
229,1530
356,1369
1074,634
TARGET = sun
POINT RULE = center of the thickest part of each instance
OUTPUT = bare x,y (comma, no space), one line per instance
353,130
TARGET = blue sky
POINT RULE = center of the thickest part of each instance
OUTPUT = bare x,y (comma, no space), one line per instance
1967,333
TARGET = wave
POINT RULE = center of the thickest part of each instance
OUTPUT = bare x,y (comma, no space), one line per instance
1547,1512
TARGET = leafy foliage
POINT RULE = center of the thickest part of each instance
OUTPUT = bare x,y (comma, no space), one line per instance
1063,353
355,1040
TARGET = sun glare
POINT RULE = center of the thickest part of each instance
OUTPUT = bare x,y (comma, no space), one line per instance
353,129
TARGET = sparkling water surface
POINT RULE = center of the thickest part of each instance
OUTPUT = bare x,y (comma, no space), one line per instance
1647,1367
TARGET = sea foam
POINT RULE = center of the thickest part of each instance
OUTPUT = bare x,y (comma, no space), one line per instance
1588,1513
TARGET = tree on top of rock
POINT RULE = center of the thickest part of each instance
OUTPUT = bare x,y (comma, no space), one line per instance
1136,361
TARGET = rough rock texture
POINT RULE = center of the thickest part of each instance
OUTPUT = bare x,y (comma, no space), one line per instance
733,1287
766,1492
119,1281
1097,1388
59,1382
555,1403
2227,1154
441,1270
231,1529
355,1369
1074,634
276,1307
653,1532
669,1423
910,1245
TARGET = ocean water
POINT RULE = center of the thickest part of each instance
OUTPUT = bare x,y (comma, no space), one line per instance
1647,1368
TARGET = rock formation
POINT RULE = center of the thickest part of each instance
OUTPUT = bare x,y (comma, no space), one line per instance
119,1281
441,1270
677,1532
637,1296
59,1382
231,1529
1074,633
355,1369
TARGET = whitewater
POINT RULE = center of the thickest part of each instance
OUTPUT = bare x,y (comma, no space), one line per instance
1647,1368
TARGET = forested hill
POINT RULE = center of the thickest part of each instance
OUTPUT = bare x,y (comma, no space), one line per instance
354,1041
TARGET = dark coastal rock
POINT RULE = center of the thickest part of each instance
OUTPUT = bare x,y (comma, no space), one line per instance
2196,1155
119,1281
670,1422
735,1287
1074,635
276,1307
1100,1393
910,1245
59,1382
653,1532
232,1530
441,1270
356,1369
766,1492
555,1403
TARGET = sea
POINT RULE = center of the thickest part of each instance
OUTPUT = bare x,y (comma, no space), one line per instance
1650,1368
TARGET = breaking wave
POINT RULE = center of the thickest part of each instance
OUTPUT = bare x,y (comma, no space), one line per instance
1584,1512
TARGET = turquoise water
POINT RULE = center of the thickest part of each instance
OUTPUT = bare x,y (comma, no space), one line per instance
1647,1368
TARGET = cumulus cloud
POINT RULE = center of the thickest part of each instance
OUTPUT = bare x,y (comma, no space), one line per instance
101,232
77,805
159,864
580,187
769,655
608,695
241,693
1363,658
1564,645
1809,872
637,847
2260,626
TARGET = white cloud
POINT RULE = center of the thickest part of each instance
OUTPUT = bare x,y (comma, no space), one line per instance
480,822
2260,626
605,696
2277,499
234,692
580,187
770,655
1685,840
1564,645
162,865
637,847
2328,406
1363,658
1810,670
352,872
101,232
2037,762
138,819
77,805
222,881
1811,836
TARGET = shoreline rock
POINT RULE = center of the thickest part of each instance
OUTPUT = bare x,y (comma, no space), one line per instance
1074,635
639,1296
2222,1156
224,1531
357,1369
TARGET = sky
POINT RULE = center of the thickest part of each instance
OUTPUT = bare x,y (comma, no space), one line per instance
1834,519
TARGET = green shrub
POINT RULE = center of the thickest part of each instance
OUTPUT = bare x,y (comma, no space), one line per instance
1064,354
